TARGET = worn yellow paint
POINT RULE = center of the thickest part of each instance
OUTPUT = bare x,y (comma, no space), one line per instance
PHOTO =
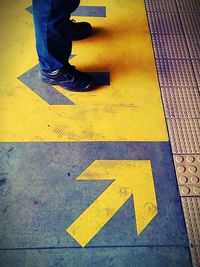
129,110
131,177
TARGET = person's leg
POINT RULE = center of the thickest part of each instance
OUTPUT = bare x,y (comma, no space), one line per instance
73,4
53,39
54,43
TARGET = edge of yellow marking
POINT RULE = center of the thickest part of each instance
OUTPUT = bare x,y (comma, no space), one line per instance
130,177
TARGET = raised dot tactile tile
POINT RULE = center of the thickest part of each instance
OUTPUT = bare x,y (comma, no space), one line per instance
181,102
193,46
188,174
191,208
161,5
195,251
188,5
191,22
164,23
175,72
196,65
170,46
184,135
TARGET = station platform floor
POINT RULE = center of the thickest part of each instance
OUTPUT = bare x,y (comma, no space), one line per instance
110,177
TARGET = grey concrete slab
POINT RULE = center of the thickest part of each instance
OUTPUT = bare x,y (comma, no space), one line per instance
101,257
40,195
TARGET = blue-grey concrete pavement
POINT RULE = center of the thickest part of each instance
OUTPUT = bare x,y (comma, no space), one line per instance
40,198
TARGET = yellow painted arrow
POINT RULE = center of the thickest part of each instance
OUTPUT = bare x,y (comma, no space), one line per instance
131,177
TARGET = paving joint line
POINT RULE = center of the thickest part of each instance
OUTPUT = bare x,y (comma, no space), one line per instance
94,247
173,12
179,59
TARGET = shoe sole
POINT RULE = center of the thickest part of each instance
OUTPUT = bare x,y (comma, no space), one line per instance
87,88
81,38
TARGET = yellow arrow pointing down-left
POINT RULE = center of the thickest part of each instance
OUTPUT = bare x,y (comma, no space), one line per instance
131,177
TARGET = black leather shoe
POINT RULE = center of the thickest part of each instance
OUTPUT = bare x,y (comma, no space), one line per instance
79,30
69,78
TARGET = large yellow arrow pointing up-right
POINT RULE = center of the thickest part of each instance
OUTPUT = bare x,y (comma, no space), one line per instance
131,177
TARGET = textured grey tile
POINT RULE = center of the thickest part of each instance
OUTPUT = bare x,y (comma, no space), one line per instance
191,208
164,23
191,23
181,102
188,5
184,135
188,177
193,46
170,46
195,251
175,72
161,5
196,65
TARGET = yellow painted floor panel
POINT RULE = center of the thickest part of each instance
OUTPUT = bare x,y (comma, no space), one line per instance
130,109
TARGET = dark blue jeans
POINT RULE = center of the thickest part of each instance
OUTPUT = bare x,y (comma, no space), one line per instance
53,40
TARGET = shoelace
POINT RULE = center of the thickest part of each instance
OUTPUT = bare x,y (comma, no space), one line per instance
69,71
72,20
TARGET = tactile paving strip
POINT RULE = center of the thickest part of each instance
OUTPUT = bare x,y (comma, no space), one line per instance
188,6
161,5
164,23
170,46
176,36
196,65
188,174
175,72
181,102
184,135
191,207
